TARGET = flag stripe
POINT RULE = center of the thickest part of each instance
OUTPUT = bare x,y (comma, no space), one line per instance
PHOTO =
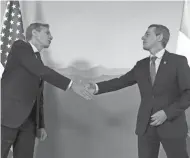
185,22
183,43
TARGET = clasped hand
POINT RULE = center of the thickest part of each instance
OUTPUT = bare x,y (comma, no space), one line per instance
82,91
91,88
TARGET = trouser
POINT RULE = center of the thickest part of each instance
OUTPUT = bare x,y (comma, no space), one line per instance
22,139
149,145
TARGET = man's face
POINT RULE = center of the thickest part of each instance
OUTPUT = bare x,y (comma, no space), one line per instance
44,37
149,39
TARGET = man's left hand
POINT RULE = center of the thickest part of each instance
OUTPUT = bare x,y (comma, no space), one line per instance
43,134
158,118
188,134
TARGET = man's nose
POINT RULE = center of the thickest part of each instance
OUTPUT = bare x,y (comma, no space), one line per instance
142,37
51,37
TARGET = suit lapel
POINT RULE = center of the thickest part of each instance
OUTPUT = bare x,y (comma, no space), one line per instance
161,69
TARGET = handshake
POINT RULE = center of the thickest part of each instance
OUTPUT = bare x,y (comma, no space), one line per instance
85,90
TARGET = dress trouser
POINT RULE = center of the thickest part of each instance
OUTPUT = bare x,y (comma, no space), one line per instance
22,139
149,145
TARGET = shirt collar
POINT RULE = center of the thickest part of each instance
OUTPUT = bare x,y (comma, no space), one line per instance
159,55
33,47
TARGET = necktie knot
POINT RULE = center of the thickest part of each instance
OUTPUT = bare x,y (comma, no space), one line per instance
153,59
38,55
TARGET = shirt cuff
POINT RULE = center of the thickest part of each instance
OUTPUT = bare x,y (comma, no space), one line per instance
96,89
70,84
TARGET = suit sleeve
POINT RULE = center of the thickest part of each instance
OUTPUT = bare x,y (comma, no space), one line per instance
183,81
41,112
117,83
34,66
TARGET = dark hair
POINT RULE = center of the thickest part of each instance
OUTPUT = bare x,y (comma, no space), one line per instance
34,26
160,29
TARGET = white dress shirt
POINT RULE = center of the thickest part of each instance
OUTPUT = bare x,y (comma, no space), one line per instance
34,48
159,56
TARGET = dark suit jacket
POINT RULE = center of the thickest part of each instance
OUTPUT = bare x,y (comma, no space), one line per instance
170,92
20,84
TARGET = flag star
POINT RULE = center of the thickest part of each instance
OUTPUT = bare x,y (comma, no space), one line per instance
2,34
8,45
6,11
4,26
5,18
17,31
7,53
10,38
13,14
18,23
1,43
0,51
10,30
12,22
14,6
16,39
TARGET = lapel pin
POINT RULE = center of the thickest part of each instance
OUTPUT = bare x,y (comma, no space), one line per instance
165,62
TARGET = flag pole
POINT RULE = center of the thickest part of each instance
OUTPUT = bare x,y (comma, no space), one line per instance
183,7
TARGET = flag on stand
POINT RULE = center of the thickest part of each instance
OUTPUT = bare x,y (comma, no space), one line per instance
183,44
12,29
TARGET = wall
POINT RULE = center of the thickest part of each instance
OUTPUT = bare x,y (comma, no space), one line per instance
105,36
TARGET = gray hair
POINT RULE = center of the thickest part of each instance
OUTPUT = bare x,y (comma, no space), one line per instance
34,26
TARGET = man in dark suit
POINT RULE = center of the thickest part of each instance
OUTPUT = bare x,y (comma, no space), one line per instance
164,84
22,92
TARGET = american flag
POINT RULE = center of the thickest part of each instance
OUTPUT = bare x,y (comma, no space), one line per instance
183,43
12,29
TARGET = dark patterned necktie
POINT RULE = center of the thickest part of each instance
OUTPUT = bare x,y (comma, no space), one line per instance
38,56
153,69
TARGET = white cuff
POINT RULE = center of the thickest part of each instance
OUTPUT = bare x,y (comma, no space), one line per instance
70,84
96,89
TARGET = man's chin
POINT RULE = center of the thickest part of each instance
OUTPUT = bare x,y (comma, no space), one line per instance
145,48
47,46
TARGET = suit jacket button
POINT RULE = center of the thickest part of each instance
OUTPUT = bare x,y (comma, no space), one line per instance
153,97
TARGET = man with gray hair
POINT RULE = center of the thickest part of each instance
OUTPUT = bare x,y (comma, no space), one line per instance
22,92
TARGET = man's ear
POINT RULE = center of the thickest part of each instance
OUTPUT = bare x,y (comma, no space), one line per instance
160,37
34,33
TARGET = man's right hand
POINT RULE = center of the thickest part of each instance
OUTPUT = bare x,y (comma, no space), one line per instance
81,90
